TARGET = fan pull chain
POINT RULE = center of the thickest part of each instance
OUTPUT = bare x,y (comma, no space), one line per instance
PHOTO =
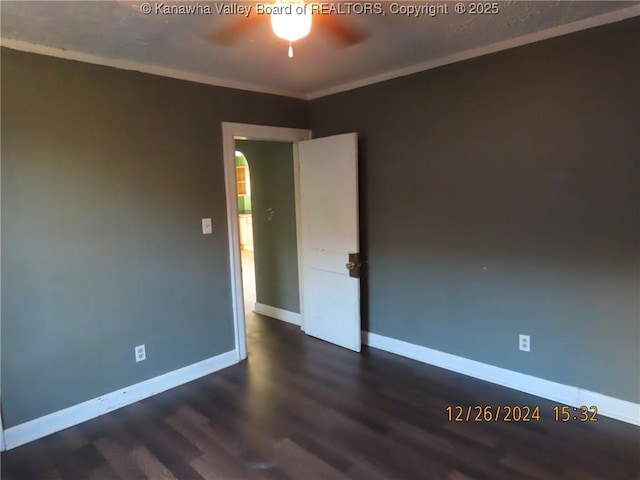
290,50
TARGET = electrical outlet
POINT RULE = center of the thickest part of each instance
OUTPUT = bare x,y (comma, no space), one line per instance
525,343
141,353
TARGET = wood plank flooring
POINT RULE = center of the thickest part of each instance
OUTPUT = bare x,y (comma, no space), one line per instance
300,408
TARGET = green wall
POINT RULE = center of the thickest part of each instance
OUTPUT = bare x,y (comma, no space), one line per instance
244,201
105,177
521,169
274,222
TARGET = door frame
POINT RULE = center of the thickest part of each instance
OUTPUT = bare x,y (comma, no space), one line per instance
230,132
2,443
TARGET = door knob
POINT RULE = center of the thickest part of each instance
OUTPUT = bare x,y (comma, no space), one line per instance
353,265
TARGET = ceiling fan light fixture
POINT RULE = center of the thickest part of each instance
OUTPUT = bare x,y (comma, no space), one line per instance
291,21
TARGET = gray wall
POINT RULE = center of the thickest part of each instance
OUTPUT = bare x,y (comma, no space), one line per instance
274,222
524,162
105,176
522,170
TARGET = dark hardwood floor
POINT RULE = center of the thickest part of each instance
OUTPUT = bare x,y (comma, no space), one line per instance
300,408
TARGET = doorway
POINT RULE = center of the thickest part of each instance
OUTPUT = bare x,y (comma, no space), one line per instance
245,224
233,133
327,240
267,229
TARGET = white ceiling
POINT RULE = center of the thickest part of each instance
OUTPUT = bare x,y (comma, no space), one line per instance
117,33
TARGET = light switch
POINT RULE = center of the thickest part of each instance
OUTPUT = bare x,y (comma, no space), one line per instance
207,226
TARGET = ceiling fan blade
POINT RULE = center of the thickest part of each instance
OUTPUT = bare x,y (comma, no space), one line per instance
344,31
231,31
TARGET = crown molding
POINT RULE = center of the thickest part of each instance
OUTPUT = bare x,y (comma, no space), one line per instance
591,22
558,31
142,67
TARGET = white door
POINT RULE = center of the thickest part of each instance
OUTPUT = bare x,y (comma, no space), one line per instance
329,234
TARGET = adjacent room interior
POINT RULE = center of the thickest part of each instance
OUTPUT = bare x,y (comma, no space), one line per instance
267,230
153,297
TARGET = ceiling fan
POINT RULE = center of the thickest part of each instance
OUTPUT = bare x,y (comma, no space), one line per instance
291,20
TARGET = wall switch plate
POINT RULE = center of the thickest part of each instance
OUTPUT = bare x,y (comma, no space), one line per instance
141,353
525,343
207,226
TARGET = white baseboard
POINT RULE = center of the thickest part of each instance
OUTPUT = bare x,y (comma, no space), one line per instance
622,410
68,417
277,313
